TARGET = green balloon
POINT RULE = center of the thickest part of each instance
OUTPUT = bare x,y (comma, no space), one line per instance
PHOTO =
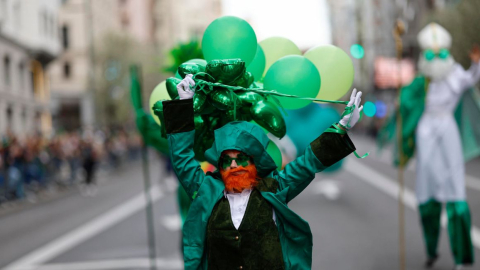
227,71
189,68
275,48
293,75
336,69
229,37
172,83
246,80
157,110
199,102
275,153
248,97
269,117
200,62
223,99
159,93
257,66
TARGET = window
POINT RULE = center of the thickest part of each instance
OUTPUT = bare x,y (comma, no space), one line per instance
66,70
32,82
65,37
6,70
9,117
21,75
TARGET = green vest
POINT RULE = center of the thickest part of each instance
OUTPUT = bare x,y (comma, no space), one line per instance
255,245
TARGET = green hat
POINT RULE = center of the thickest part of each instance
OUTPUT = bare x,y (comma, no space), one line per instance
247,138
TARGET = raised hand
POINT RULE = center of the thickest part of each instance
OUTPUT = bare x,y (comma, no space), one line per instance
183,88
351,115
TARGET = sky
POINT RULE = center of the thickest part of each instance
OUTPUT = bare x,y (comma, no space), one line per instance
305,22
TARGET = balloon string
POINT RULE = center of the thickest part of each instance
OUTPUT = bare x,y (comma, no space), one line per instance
202,84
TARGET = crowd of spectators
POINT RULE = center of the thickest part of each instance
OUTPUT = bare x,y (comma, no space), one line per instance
34,165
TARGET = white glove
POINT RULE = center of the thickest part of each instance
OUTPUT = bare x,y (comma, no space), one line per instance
183,88
349,120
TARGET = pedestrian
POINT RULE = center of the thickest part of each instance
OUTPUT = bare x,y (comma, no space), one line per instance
89,162
239,218
440,162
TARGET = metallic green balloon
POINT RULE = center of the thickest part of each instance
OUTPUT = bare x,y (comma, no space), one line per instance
223,99
269,117
246,80
158,111
249,97
199,102
189,68
226,71
172,83
199,122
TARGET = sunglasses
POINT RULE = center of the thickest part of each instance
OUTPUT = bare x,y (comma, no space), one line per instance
241,160
430,54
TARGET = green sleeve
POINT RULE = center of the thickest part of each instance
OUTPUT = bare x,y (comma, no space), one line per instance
180,129
323,152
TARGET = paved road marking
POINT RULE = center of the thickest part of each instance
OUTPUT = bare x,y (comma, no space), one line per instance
83,233
134,263
390,187
172,222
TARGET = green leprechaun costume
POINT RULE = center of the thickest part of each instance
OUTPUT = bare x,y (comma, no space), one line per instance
267,234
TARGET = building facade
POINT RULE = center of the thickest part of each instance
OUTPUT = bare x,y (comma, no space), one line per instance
83,26
370,23
28,43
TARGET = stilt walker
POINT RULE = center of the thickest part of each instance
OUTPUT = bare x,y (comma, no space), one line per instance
440,163
437,110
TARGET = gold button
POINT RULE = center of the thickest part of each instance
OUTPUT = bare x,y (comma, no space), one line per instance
236,238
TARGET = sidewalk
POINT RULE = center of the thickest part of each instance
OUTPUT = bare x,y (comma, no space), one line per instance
53,192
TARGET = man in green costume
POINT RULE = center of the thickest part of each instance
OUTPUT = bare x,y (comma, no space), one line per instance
239,218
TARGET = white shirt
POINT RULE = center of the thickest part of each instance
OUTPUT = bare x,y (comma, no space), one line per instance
238,204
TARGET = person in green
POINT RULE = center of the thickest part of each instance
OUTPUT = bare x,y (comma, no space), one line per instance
239,218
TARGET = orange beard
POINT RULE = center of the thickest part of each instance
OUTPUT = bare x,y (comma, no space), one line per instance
237,183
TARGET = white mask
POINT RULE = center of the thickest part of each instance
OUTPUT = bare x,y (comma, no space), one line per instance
437,68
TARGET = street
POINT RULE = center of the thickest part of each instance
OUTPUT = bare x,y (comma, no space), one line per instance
353,227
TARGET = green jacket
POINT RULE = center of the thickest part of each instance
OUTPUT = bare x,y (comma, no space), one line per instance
294,232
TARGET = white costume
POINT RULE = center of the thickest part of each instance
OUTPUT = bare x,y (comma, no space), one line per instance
440,164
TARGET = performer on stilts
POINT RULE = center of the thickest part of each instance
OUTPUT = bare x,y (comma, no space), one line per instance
429,127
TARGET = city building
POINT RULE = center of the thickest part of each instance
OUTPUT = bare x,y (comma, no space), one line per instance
28,43
84,24
370,23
